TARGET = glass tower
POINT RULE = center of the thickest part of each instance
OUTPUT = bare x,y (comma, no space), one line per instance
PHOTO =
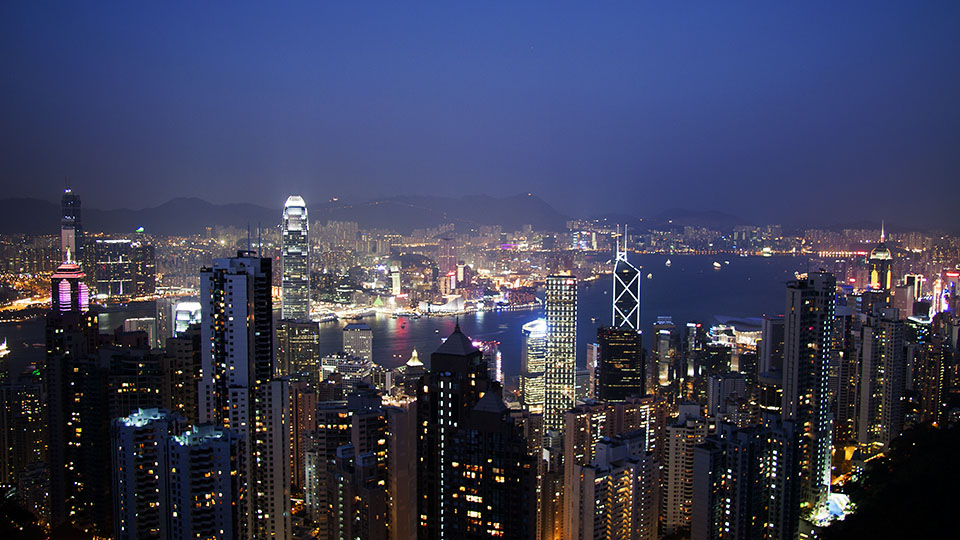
560,368
295,300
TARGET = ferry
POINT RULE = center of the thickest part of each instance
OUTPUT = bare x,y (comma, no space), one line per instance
716,265
668,263
4,350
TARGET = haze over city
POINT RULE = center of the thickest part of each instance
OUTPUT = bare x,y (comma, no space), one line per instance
778,112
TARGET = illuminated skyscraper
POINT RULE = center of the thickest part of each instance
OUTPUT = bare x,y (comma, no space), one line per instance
620,365
883,368
560,368
533,356
475,475
626,292
358,341
881,277
238,388
807,348
295,246
744,483
71,227
140,468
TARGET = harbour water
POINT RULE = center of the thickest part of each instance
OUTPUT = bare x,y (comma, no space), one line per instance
689,289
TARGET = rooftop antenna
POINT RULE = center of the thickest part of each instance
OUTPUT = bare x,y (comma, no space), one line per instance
883,235
259,241
248,236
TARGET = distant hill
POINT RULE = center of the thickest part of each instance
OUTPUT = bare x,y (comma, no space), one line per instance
185,216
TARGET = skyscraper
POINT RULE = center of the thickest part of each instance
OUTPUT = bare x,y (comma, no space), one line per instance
681,437
140,471
475,475
72,335
808,345
744,483
533,356
238,389
358,341
71,227
626,291
295,246
883,368
881,275
560,368
616,494
621,365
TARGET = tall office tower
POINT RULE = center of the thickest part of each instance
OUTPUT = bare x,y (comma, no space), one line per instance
808,342
845,375
71,335
181,371
475,476
533,358
492,357
688,431
295,254
358,341
446,255
626,291
881,275
664,352
560,369
124,268
621,366
745,484
238,389
615,496
204,483
140,473
882,379
71,227
298,345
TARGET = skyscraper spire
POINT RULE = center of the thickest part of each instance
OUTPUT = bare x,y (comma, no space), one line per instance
883,235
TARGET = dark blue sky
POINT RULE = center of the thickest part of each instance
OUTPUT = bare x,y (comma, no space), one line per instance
768,109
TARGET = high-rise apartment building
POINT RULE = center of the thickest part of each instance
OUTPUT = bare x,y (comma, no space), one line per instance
238,388
616,495
882,380
560,367
294,258
682,436
808,344
744,483
140,473
475,476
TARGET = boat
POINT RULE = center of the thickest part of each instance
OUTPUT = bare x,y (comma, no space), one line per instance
4,350
668,263
716,265
649,276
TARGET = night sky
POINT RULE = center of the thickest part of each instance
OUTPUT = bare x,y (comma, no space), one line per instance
769,110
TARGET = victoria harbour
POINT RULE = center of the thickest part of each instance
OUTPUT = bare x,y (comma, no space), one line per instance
690,289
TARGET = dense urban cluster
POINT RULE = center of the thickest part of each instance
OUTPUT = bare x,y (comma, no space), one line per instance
184,391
